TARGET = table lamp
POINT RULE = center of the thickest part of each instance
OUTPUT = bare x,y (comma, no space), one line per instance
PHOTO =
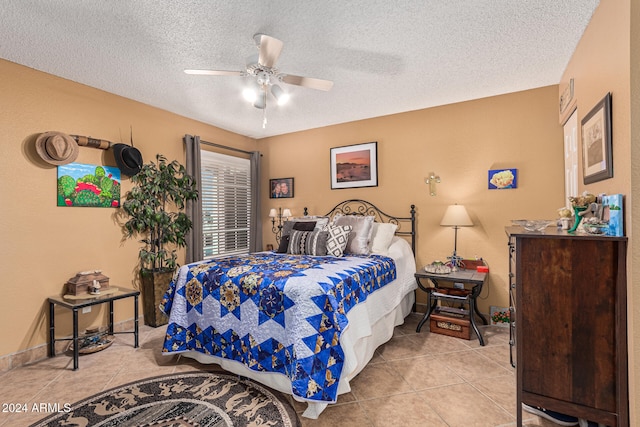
456,216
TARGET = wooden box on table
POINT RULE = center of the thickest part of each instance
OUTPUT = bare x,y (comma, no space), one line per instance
81,283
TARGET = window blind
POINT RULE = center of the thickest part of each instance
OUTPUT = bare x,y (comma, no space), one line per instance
226,204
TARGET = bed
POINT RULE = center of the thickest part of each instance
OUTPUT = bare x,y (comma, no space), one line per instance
304,319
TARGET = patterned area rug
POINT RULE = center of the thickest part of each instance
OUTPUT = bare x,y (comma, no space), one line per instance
194,399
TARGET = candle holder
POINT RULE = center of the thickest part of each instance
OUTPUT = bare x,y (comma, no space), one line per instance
277,221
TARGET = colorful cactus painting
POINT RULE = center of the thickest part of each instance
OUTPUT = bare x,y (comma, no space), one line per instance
88,185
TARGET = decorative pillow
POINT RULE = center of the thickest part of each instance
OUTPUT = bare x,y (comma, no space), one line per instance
337,239
321,222
308,243
283,246
287,227
362,227
381,237
297,224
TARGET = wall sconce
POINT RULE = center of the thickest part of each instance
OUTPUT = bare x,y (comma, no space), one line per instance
277,219
431,182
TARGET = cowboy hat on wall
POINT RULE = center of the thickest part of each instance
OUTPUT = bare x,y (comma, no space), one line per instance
128,159
57,148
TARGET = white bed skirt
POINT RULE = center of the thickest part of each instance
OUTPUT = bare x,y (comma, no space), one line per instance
370,325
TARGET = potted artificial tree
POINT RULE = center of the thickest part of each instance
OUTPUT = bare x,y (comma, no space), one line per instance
155,206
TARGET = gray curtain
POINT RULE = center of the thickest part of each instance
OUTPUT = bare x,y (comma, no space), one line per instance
195,251
255,233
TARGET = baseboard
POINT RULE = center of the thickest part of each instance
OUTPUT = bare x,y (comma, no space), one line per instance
421,308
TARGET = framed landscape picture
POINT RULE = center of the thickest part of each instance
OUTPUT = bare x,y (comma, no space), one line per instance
354,166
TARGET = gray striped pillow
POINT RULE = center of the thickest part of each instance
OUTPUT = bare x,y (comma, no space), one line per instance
308,243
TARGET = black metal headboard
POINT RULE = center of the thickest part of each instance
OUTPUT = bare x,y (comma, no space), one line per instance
364,208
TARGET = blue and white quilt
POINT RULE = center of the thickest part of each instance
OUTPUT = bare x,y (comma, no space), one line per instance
273,312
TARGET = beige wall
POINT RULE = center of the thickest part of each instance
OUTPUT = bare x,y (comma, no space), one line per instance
633,201
44,245
606,60
458,142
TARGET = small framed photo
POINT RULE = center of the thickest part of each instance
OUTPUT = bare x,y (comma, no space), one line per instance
597,156
354,166
281,188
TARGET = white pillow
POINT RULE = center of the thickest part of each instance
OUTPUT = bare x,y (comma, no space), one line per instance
381,237
399,247
321,222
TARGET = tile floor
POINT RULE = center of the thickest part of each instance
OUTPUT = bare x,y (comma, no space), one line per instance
415,379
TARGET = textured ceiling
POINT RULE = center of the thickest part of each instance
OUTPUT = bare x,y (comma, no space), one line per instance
383,56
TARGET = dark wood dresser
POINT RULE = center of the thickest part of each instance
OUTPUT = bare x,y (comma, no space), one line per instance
569,341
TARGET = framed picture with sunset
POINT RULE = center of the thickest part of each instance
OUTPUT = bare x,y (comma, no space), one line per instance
354,166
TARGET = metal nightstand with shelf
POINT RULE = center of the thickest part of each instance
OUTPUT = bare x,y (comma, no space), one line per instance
78,304
469,277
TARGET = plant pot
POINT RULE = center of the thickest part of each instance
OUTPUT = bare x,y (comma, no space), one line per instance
154,286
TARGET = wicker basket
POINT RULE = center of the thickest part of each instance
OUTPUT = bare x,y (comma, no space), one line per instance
454,326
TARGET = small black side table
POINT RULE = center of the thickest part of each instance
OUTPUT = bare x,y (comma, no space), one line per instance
78,304
436,292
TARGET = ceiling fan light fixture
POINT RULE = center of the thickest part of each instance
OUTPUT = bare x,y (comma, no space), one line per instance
263,74
249,95
261,100
252,91
281,96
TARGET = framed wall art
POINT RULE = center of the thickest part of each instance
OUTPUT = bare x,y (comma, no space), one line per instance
500,179
281,188
597,155
354,166
88,186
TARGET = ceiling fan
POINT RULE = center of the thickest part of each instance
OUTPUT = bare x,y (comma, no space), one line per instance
267,76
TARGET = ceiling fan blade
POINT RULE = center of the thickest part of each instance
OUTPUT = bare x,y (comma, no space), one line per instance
215,72
270,49
309,82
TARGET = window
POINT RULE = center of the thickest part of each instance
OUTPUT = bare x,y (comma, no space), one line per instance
226,204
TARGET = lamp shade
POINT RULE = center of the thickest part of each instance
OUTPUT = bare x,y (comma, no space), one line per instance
456,216
279,94
286,213
250,93
272,213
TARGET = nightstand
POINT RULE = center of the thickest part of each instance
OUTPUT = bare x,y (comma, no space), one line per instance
76,304
434,285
